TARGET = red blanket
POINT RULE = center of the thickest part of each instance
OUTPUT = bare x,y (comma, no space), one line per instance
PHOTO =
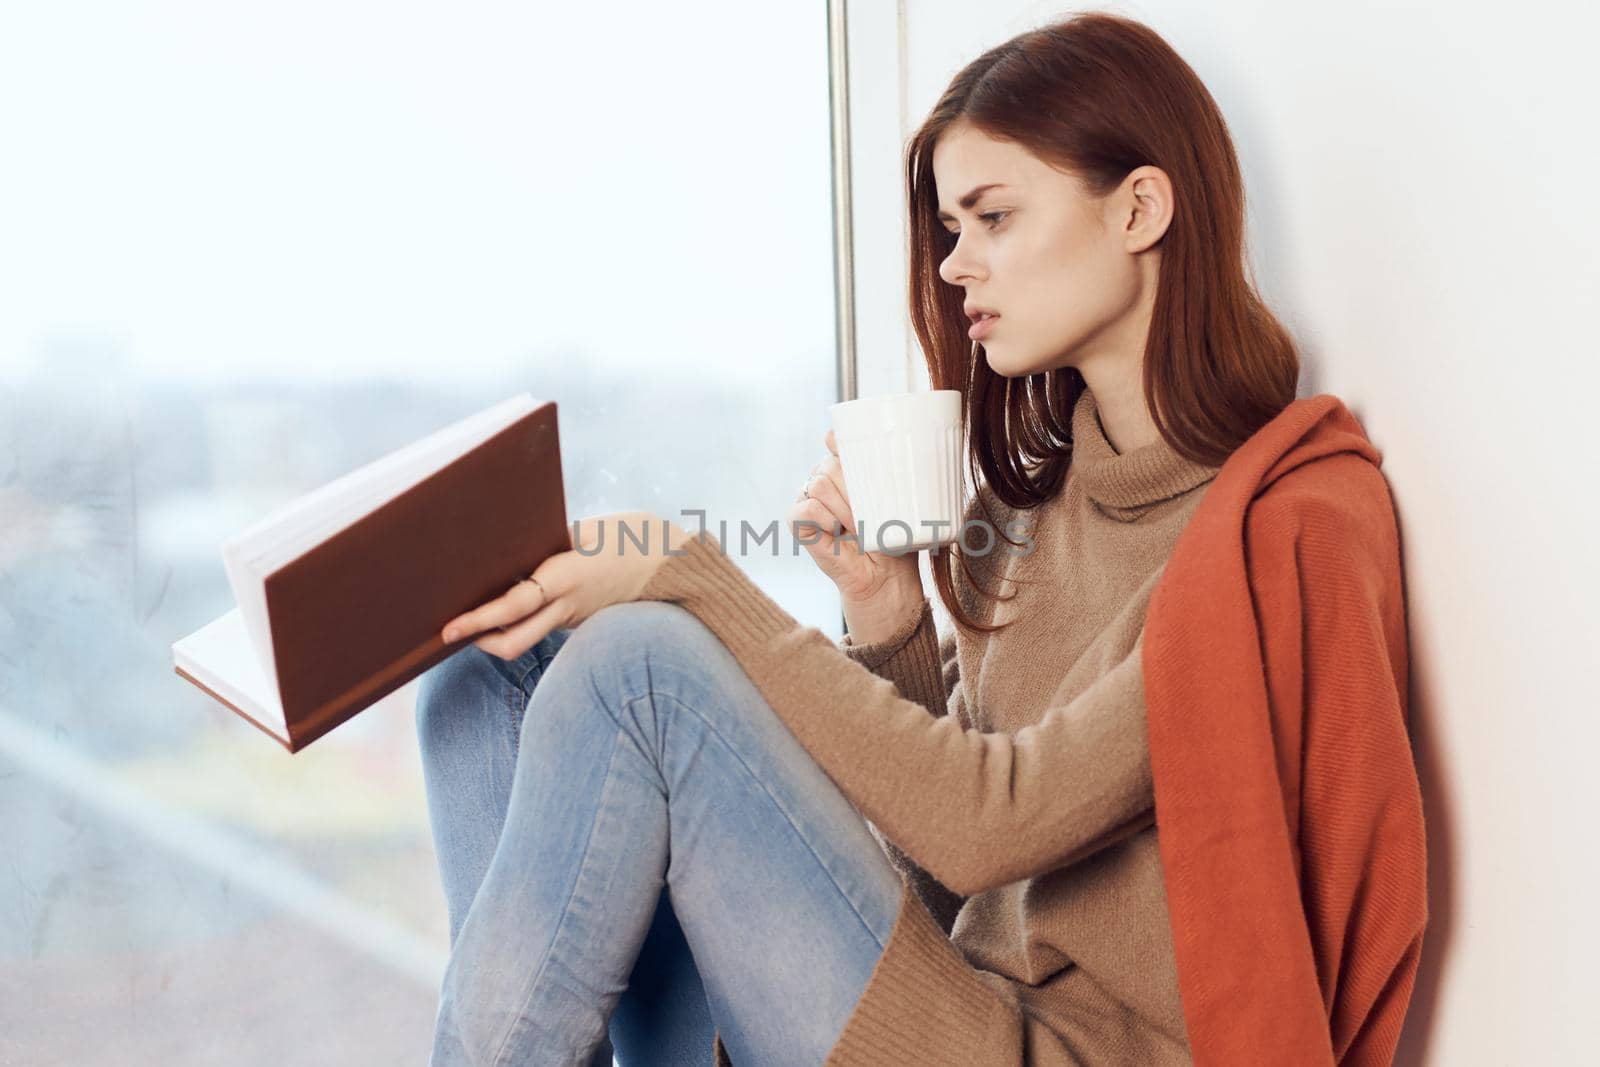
1290,816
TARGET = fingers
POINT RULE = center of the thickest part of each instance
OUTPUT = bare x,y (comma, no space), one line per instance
835,472
823,501
815,512
831,469
518,602
825,488
517,639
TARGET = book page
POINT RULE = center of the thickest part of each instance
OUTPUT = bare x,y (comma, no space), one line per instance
221,655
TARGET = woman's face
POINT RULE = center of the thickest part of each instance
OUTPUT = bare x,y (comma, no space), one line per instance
1058,266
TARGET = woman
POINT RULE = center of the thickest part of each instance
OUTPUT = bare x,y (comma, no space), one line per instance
712,831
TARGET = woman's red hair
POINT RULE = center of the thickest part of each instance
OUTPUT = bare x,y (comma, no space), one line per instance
1099,95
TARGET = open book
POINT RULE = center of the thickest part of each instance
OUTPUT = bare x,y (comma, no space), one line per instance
341,593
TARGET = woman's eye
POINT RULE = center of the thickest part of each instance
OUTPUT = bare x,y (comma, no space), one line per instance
995,216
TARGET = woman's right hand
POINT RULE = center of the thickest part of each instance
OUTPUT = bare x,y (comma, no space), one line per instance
863,578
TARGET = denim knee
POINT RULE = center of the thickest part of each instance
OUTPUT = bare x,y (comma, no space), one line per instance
619,631
654,648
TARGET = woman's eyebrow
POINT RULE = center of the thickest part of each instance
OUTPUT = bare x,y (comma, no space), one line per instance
970,199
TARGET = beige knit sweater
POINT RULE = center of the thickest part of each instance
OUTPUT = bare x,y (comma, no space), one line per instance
1007,778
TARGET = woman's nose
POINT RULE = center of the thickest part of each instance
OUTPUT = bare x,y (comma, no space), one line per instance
956,266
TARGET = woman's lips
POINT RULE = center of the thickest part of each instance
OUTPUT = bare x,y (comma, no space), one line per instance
981,328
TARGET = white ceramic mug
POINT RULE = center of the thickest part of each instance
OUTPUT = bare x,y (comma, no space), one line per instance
901,454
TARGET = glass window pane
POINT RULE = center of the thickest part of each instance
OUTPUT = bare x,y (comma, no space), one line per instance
246,250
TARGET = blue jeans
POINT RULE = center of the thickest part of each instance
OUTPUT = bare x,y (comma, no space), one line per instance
633,845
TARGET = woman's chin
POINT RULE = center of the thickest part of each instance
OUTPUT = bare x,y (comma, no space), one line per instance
999,364
1006,365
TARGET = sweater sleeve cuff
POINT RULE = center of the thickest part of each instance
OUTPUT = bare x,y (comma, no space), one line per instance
873,653
910,658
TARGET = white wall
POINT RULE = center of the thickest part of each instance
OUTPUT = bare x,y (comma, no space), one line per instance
1420,180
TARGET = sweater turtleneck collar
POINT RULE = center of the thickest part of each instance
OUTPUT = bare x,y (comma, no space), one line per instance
1124,485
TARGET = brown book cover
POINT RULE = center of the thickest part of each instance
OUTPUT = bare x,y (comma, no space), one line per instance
358,615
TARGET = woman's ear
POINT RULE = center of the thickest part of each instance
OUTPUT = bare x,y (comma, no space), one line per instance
1145,204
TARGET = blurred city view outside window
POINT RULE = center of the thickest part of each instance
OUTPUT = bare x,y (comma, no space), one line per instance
246,250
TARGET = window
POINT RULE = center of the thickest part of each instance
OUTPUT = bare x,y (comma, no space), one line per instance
246,250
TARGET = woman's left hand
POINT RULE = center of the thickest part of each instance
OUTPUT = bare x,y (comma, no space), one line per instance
611,568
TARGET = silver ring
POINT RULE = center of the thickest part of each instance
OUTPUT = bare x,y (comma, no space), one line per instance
542,597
